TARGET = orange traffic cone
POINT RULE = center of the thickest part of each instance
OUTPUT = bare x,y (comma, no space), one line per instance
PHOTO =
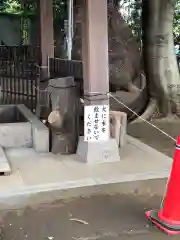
168,217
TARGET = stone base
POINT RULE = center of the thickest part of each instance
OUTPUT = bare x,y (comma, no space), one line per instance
97,152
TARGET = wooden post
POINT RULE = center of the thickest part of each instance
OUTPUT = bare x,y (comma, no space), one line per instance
96,82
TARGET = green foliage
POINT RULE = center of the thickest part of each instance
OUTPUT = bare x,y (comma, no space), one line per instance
15,7
2,5
176,29
60,9
10,6
131,11
136,19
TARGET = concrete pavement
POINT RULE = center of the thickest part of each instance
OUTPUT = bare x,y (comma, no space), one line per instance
38,178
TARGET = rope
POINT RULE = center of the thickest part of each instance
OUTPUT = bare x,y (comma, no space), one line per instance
95,94
152,125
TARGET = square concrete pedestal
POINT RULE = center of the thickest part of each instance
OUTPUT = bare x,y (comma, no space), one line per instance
97,152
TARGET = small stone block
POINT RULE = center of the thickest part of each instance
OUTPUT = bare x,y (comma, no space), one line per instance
40,139
118,127
4,164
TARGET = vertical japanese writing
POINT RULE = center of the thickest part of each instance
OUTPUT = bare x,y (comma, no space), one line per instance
96,124
88,127
104,119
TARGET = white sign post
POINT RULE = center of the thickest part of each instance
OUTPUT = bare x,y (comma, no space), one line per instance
96,123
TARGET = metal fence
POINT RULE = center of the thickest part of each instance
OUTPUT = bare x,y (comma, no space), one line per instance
19,73
59,67
65,68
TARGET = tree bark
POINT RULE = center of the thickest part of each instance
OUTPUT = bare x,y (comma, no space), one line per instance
160,61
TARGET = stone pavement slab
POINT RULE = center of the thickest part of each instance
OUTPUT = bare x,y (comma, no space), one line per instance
52,174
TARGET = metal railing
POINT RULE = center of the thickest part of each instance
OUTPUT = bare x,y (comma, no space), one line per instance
19,75
59,67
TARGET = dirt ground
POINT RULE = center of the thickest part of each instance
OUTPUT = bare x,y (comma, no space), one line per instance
105,217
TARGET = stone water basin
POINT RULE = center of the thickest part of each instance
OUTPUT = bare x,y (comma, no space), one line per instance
21,128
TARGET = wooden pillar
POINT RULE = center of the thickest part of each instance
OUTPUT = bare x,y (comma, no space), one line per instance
95,46
97,147
46,35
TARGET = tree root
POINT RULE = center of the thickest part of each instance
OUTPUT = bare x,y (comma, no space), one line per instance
151,110
168,118
148,112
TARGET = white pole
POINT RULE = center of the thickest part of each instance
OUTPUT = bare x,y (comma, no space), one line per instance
70,28
72,22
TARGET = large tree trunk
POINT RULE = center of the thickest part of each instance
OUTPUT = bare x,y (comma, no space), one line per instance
160,61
